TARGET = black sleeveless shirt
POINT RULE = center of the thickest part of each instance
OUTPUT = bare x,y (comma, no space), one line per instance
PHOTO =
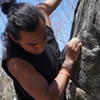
47,63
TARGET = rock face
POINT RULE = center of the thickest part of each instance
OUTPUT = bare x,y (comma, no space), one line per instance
86,74
6,86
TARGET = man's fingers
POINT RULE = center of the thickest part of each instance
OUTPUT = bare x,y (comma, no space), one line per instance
79,45
73,43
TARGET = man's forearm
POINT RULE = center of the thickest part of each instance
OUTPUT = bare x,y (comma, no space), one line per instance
52,5
53,2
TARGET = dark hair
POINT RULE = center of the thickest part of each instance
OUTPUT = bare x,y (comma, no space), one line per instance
21,16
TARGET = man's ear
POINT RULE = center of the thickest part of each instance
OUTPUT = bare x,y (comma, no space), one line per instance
11,36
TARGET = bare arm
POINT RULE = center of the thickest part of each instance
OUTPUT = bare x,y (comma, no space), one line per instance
48,6
35,84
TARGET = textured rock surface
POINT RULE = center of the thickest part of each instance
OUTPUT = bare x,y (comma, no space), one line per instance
6,87
87,71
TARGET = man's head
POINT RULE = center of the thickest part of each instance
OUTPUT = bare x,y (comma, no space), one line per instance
26,25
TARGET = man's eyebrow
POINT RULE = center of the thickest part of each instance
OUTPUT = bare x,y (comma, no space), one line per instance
32,44
45,36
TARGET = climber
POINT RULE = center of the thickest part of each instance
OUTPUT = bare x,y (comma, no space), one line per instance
32,57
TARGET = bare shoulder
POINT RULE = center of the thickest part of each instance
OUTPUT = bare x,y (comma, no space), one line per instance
17,65
29,78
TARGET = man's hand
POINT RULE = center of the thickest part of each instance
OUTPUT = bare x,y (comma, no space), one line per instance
73,51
